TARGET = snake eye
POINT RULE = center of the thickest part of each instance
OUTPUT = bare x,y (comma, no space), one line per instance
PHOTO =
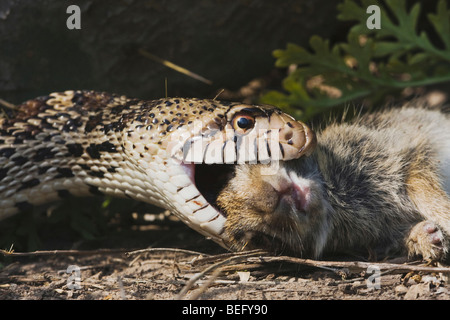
242,123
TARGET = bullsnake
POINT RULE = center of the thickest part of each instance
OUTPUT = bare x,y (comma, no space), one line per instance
80,143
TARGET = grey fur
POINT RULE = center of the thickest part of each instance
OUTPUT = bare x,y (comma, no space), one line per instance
376,185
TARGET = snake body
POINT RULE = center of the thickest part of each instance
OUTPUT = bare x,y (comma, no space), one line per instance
84,143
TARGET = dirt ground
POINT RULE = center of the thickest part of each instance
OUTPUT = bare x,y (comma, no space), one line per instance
192,267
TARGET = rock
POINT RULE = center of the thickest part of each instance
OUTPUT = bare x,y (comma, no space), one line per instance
401,290
416,291
227,42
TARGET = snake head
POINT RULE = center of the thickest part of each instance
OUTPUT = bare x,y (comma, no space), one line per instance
265,133
209,147
246,134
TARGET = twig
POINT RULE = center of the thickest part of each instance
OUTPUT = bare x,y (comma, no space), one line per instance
205,285
10,253
7,253
249,283
191,282
242,266
23,279
130,253
225,255
218,94
174,66
351,265
7,104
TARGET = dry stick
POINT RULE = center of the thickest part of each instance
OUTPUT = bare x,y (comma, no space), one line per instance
166,249
10,253
192,281
206,285
7,104
226,255
7,253
218,94
351,265
242,266
174,66
22,279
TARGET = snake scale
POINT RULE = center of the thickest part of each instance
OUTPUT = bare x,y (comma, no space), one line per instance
81,143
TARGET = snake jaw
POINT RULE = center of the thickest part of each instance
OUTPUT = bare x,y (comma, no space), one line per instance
208,161
200,213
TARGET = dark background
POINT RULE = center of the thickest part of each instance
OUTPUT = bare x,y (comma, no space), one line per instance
227,42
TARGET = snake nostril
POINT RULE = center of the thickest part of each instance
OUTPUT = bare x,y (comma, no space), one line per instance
288,135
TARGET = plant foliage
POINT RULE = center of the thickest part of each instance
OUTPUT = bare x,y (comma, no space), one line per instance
372,62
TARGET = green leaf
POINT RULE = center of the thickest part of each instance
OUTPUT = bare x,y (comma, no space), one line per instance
386,48
441,22
349,10
370,62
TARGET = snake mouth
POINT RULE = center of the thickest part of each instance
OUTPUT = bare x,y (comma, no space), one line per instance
210,179
210,157
206,182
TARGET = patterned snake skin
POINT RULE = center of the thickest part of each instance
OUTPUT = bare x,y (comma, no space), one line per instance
87,143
